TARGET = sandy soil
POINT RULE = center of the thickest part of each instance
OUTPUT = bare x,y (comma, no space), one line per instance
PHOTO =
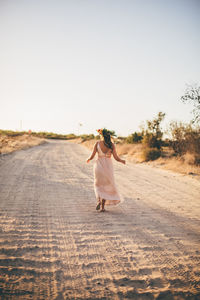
10,144
55,245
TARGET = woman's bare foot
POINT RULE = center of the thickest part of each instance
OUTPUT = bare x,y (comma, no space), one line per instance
98,205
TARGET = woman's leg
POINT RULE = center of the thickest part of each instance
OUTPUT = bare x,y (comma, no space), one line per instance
103,204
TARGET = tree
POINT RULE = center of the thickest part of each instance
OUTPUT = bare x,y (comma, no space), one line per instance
153,134
192,94
154,125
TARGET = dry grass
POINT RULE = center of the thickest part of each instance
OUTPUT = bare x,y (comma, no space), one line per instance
178,165
132,151
9,144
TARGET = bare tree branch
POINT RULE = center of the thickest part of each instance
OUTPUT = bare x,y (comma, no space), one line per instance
192,95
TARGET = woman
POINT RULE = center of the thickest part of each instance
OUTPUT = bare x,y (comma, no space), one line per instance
104,183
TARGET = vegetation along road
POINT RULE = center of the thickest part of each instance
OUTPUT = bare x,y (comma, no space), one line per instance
55,245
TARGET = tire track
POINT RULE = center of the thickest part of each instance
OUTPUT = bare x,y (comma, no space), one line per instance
54,245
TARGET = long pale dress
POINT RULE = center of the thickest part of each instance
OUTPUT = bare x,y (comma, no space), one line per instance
104,183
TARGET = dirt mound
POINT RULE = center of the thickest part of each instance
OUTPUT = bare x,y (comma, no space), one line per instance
9,144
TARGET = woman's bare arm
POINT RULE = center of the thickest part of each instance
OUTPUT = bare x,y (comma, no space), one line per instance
93,153
116,157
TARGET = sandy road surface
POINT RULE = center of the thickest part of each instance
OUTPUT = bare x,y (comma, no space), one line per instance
55,245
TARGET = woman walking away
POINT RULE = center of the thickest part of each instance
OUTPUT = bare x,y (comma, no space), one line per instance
104,183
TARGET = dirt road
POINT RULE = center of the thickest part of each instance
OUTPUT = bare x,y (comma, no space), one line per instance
55,245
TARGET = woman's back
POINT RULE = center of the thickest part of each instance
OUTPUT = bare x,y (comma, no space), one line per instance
104,148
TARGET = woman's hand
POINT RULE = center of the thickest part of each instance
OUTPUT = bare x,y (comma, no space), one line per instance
93,153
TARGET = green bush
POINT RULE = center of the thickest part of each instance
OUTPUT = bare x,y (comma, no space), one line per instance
42,134
70,136
12,133
87,137
153,134
152,141
51,135
135,137
150,154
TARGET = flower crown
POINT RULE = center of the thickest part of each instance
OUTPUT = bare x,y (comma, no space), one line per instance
105,132
100,131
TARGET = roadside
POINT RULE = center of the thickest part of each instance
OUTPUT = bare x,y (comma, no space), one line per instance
133,153
130,152
10,144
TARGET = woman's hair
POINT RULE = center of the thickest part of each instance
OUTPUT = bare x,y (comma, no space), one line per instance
107,139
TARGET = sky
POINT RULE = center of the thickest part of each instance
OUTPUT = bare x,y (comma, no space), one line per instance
98,63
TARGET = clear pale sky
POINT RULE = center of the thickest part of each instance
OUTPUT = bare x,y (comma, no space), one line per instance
112,63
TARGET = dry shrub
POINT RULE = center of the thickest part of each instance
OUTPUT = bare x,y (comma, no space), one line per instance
153,134
152,141
150,153
185,140
189,158
87,137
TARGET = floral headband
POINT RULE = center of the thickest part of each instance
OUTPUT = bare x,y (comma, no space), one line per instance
105,132
100,131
